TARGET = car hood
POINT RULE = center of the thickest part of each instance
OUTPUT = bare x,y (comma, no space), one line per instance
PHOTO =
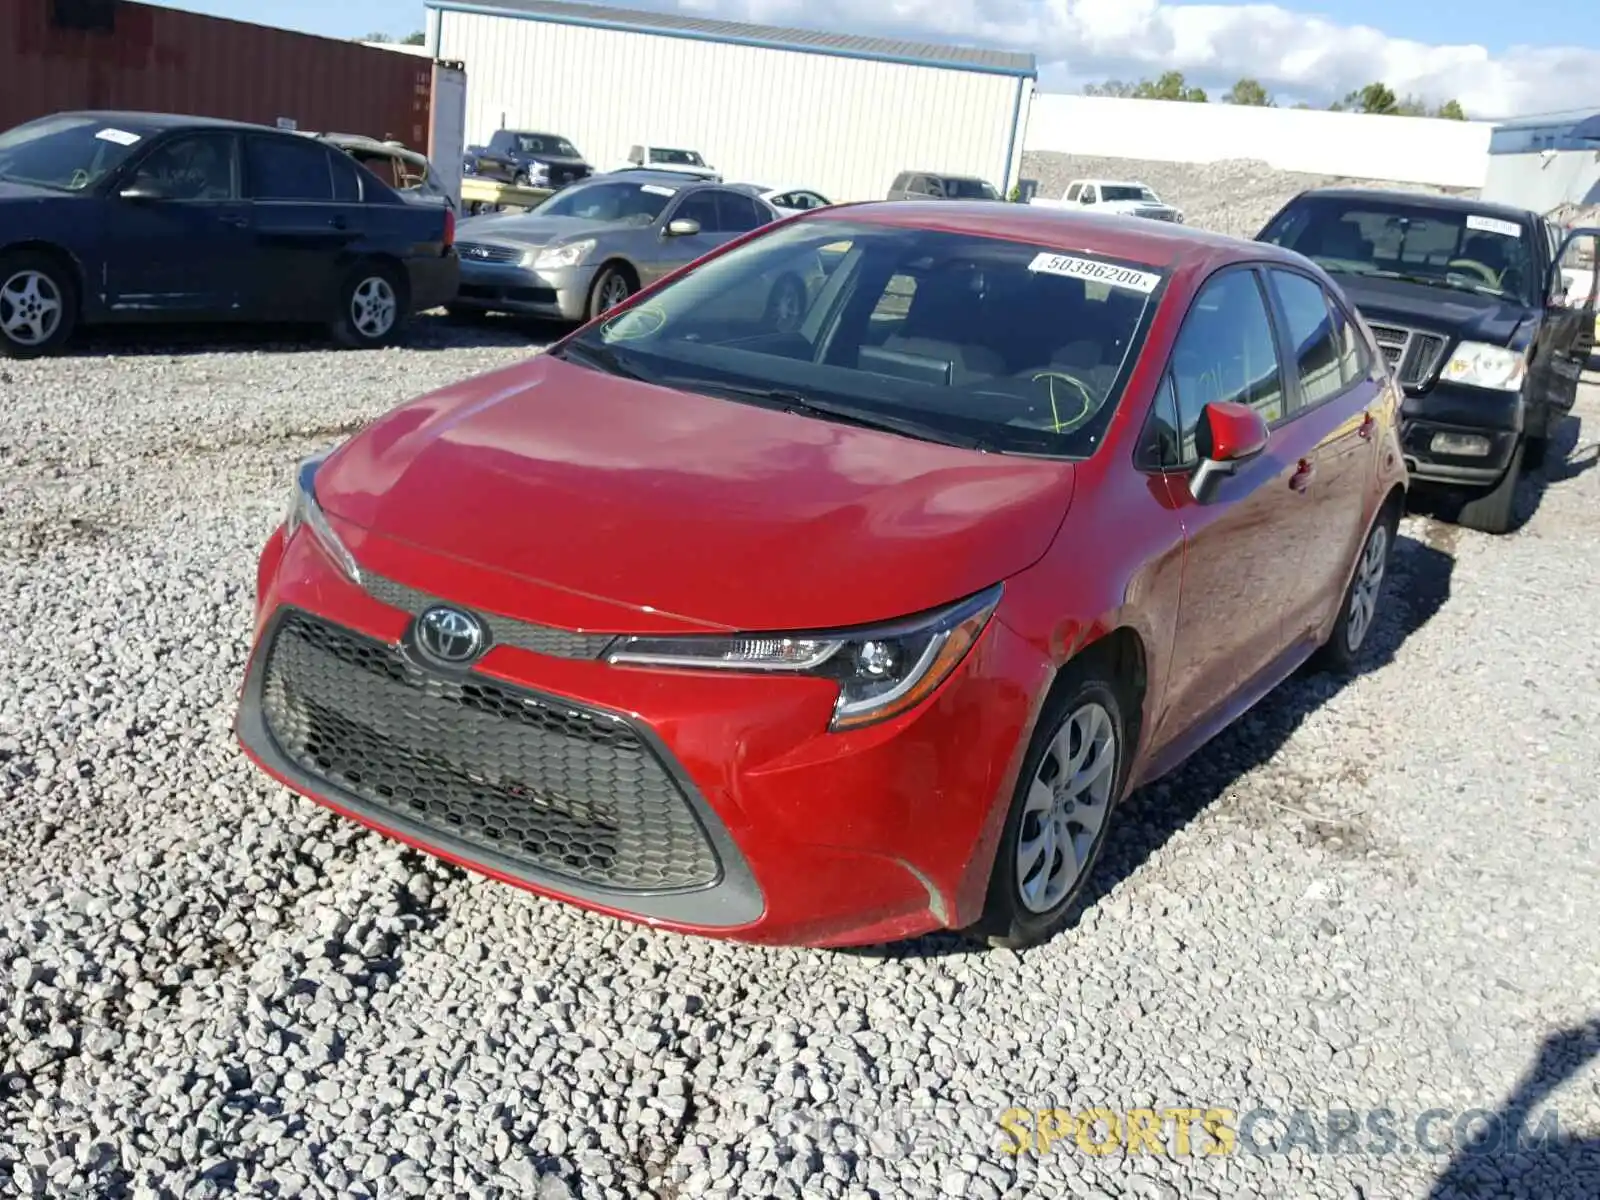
27,191
1465,315
520,229
625,506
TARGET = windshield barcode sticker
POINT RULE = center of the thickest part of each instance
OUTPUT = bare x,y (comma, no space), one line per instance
655,189
1494,225
1099,272
120,136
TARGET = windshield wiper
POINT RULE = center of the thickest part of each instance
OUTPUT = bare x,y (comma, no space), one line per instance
1460,285
802,405
601,358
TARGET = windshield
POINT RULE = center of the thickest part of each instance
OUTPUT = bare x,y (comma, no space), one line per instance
950,337
544,143
969,189
66,153
1117,191
1435,247
627,203
678,158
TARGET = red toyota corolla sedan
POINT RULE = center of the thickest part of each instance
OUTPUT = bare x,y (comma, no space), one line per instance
838,587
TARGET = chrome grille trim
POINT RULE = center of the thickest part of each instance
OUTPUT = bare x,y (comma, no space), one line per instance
504,631
1413,354
485,253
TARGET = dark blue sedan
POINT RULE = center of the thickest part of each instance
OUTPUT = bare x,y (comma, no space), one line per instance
114,217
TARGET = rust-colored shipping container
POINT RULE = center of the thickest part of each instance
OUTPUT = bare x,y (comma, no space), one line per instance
162,60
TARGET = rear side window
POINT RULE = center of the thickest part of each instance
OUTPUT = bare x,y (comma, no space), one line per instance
280,169
1311,333
739,214
1225,351
346,179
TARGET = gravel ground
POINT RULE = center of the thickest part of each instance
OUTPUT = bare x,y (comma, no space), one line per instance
1380,896
1236,197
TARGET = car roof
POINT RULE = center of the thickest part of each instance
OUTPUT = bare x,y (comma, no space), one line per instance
1153,243
1115,183
1462,204
164,121
643,175
943,174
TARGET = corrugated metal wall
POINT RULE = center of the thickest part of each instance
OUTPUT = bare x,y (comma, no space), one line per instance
844,126
1543,182
159,59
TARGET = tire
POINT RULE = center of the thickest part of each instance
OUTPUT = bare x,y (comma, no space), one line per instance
38,304
373,307
1534,455
1029,904
1494,510
1341,653
611,287
786,304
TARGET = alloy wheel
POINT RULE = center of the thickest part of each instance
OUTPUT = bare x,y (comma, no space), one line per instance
1064,815
30,308
613,292
1366,585
373,307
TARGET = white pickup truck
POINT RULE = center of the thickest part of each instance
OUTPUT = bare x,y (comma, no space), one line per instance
1122,196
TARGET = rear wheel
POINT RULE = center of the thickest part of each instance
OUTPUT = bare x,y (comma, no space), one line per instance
1359,612
38,304
372,307
1494,510
1060,814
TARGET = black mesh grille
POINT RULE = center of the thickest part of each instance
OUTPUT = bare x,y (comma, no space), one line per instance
541,639
569,792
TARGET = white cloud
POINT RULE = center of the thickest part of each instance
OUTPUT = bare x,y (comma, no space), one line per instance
1293,54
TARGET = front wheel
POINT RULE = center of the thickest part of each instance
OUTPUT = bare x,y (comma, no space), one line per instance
1493,511
372,307
1061,811
611,287
38,305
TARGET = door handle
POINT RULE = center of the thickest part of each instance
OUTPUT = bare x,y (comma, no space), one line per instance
338,222
1369,425
237,220
1301,479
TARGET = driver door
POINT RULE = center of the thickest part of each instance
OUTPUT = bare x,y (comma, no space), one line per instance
1574,288
191,253
674,251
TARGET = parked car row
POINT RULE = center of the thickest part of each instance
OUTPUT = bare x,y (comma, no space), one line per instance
112,218
527,158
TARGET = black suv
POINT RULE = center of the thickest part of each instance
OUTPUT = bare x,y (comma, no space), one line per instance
1468,302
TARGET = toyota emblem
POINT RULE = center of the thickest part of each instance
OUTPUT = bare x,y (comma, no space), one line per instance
448,635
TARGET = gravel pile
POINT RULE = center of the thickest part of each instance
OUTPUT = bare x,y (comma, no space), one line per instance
1380,896
1235,197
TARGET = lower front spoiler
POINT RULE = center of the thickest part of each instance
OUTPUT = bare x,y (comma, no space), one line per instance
734,902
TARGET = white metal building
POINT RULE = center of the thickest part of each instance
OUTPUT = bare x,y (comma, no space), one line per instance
838,113
1543,163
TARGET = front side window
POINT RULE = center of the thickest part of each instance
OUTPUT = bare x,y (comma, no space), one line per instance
1434,247
67,154
1312,335
739,214
969,189
1225,352
196,167
952,337
702,208
1117,191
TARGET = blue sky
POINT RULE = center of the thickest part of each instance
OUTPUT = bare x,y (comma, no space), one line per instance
1531,56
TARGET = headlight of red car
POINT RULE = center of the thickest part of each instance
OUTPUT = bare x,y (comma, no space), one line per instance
304,510
881,671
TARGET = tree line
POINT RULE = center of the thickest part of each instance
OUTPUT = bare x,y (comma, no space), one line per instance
411,39
1376,98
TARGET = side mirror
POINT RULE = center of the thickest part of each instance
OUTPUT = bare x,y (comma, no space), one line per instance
145,189
1229,435
1085,198
683,227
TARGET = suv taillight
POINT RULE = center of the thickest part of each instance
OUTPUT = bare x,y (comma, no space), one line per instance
449,228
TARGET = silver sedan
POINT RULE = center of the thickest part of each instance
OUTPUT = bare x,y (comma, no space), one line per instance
593,244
